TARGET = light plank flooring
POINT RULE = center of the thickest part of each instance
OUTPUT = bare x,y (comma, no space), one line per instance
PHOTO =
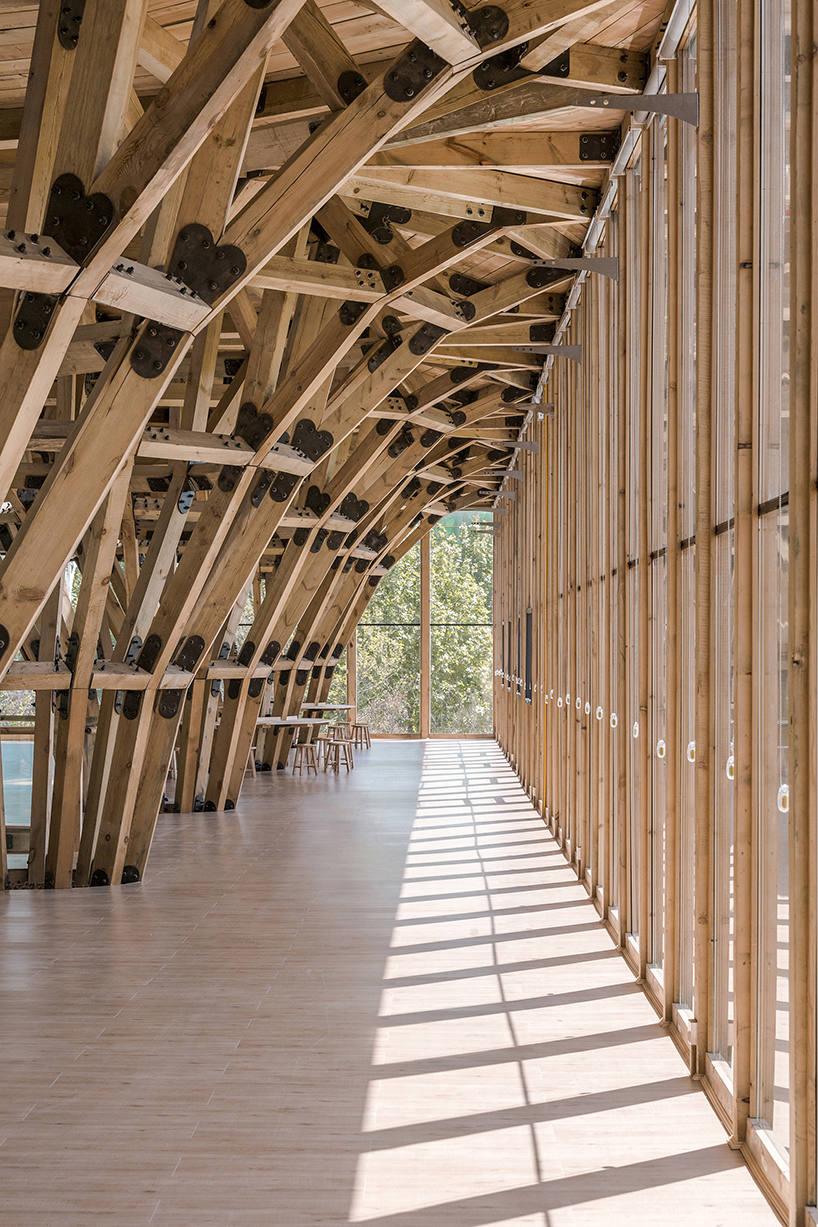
379,998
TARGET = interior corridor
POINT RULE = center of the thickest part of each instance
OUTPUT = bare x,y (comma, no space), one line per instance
379,998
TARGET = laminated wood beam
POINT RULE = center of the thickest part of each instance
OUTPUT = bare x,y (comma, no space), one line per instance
322,55
515,152
72,704
438,24
438,189
216,69
529,99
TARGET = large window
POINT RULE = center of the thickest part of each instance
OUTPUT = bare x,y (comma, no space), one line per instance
461,595
457,623
388,651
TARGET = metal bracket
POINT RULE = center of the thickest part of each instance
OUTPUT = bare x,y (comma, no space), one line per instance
75,220
374,541
310,441
599,146
539,333
71,651
559,67
149,655
459,283
465,309
606,266
317,500
350,312
252,426
502,69
405,439
270,653
412,73
679,106
261,487
71,15
353,508
381,219
283,486
385,350
488,24
325,253
466,232
204,267
154,349
33,317
350,85
169,703
188,655
186,497
228,478
574,352
426,337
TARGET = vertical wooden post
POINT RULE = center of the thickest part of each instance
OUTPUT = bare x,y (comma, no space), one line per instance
705,188
425,636
352,675
802,611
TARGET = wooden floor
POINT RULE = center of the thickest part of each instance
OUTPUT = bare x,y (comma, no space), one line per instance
380,998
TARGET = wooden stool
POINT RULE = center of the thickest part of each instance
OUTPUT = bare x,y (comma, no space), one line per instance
338,751
341,732
360,735
305,749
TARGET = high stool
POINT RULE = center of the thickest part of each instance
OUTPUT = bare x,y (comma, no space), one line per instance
341,732
360,735
337,752
305,750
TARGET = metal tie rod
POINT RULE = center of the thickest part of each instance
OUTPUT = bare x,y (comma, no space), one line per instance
679,106
574,352
606,266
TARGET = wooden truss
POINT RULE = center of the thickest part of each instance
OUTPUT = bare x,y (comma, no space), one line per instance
260,331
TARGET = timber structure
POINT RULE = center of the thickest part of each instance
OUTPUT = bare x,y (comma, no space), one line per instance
276,285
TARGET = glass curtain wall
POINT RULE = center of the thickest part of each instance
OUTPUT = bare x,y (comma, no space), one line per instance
458,620
461,582
388,651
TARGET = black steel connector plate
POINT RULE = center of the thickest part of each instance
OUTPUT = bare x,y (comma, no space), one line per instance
154,349
33,317
204,267
412,73
75,220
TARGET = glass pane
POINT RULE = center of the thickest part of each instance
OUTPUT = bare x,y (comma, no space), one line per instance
389,651
461,582
18,758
